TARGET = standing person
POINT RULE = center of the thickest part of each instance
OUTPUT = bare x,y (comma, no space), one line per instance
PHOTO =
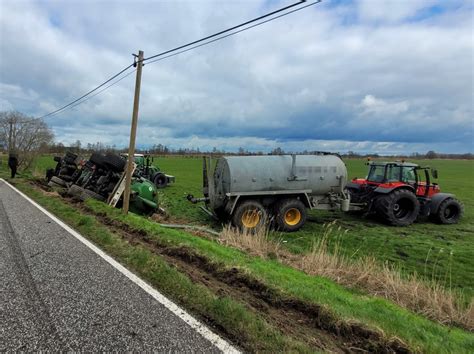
13,163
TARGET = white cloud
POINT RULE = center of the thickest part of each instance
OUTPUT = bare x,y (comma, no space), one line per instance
373,105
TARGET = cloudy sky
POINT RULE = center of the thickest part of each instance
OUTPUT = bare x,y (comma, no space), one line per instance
368,76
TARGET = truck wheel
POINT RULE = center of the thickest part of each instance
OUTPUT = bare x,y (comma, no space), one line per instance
70,158
58,181
75,191
160,180
114,162
250,215
449,212
97,159
398,208
290,215
87,194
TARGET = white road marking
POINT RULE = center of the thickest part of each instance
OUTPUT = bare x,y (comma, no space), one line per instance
202,329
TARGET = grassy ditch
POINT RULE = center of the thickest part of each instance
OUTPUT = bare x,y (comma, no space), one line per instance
259,303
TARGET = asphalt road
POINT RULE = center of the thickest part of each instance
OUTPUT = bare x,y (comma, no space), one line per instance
56,293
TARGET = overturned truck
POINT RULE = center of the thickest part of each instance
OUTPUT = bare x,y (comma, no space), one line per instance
253,190
101,177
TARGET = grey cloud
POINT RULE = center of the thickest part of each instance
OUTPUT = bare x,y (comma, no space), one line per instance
309,77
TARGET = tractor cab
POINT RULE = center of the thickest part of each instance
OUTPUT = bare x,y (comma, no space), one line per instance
399,173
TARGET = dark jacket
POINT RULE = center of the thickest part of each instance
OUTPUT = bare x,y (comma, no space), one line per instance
12,161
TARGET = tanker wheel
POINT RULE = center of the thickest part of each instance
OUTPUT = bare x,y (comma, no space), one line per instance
398,208
250,215
160,180
290,215
449,211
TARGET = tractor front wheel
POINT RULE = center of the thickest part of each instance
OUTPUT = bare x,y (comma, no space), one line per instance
160,180
398,208
449,212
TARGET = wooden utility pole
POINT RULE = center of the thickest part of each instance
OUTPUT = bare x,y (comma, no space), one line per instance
133,133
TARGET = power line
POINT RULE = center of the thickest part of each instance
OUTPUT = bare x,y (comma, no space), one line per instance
230,34
105,88
162,56
226,30
88,93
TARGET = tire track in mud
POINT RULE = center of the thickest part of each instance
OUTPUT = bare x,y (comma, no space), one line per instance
49,334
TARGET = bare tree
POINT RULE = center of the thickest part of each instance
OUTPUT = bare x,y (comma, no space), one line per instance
24,135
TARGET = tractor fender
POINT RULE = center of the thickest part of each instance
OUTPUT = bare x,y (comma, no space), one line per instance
390,190
437,199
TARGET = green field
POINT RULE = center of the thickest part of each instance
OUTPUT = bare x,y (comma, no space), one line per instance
443,252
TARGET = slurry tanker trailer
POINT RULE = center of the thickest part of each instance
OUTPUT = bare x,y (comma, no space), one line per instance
253,190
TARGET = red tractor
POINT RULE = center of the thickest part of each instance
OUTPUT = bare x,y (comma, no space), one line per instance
398,192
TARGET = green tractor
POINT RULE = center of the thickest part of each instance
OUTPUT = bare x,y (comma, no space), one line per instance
146,169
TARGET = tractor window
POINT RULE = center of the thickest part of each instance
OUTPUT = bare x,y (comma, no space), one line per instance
393,173
408,175
376,174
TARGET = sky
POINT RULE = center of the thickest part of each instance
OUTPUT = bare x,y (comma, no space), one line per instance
367,76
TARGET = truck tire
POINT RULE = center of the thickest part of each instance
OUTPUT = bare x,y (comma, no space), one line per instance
88,194
97,159
290,215
114,162
75,191
449,212
398,208
160,180
250,215
70,158
58,181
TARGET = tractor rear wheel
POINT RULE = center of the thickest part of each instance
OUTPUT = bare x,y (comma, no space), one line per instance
398,208
160,180
290,215
449,212
250,215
